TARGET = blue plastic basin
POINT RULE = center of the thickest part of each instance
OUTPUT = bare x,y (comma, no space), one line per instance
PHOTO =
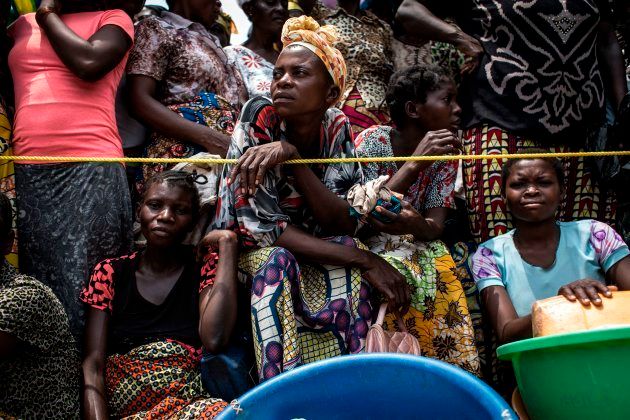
372,386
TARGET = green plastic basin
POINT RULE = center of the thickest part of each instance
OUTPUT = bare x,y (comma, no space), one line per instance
582,375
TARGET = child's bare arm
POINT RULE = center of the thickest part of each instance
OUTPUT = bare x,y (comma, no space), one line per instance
218,303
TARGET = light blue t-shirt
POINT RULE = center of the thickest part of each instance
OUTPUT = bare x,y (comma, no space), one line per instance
587,249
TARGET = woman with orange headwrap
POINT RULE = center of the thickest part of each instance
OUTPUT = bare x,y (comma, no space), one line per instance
366,43
310,296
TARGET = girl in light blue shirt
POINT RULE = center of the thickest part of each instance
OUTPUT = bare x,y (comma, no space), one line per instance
543,257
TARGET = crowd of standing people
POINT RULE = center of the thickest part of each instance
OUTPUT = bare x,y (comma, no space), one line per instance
155,290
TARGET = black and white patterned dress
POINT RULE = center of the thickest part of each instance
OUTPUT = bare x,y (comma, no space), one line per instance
540,73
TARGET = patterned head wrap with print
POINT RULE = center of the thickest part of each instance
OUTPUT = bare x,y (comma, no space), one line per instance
305,31
227,23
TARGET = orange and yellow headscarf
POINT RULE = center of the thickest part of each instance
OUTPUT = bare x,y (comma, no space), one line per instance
305,31
227,23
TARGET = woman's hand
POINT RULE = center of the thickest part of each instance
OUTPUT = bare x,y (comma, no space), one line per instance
142,93
257,160
216,240
587,291
45,8
471,48
213,141
438,143
402,223
387,280
434,143
49,4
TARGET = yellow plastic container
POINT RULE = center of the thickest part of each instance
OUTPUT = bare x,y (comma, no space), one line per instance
557,315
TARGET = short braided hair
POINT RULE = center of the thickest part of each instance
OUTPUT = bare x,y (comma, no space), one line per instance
184,180
412,84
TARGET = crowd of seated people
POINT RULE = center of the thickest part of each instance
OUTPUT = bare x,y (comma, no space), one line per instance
100,320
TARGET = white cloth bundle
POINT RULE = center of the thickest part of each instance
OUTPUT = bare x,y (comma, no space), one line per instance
363,197
212,171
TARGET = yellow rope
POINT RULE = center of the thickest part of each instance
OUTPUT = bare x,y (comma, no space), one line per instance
307,161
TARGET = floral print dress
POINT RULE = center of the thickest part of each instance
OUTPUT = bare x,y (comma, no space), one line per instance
257,72
439,315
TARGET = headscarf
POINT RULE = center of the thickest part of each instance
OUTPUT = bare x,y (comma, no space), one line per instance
294,5
305,31
227,23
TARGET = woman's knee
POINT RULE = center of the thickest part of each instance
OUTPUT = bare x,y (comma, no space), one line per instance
280,266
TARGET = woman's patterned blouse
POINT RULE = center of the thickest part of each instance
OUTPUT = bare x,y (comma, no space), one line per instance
262,218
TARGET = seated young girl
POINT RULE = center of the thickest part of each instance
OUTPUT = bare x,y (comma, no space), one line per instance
422,103
150,312
542,257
